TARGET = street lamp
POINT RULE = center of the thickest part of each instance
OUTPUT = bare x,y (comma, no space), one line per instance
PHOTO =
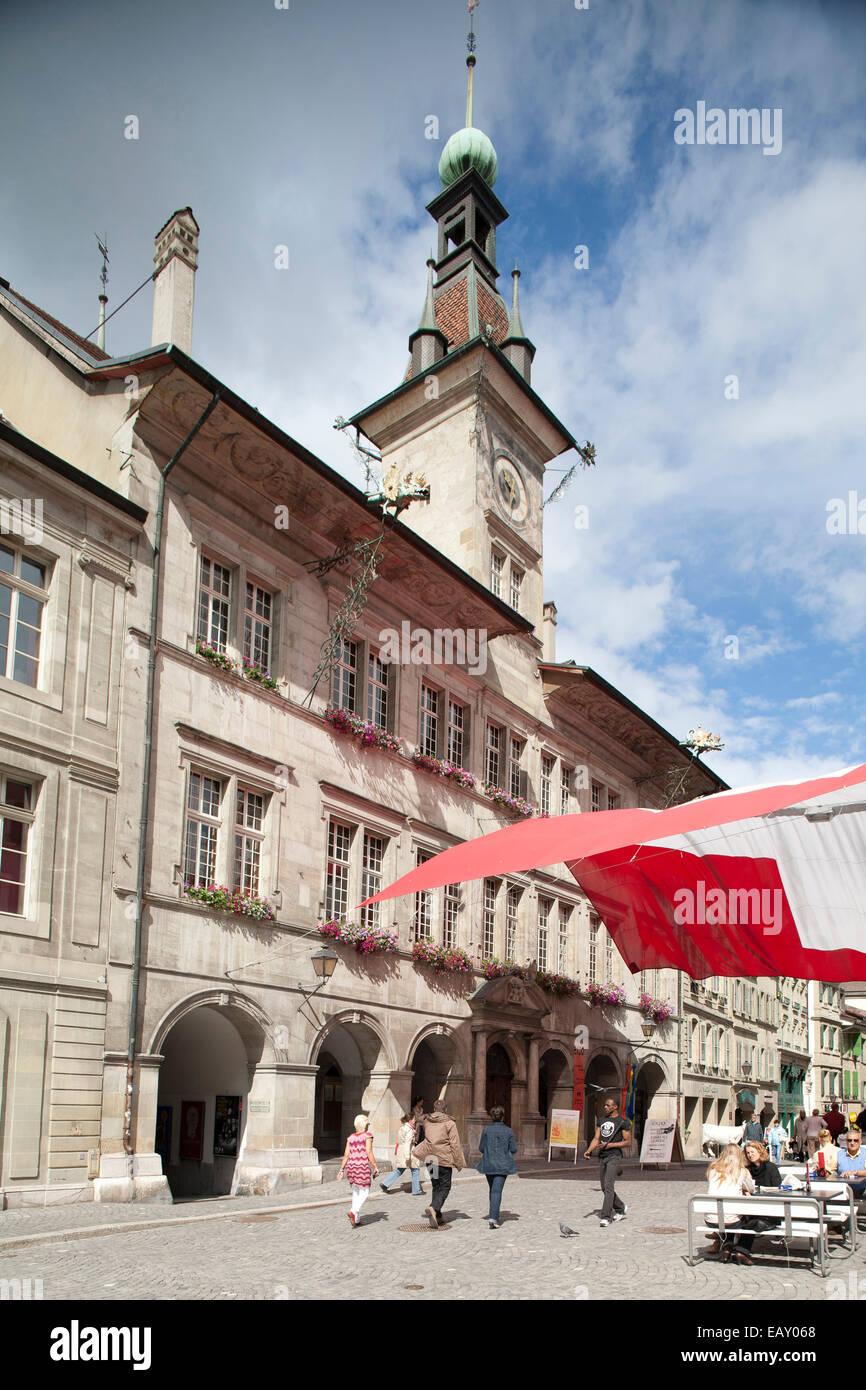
324,963
647,1028
747,1070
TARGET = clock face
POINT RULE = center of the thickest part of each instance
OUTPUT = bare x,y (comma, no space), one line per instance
510,490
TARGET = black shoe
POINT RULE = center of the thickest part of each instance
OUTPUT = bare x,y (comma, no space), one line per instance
433,1218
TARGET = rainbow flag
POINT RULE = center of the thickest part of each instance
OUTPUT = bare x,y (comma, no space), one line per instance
628,1093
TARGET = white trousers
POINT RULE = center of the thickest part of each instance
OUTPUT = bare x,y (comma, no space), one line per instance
359,1197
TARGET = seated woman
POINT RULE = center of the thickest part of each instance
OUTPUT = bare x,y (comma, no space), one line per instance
727,1176
764,1174
830,1153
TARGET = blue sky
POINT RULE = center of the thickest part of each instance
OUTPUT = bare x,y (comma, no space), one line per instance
305,127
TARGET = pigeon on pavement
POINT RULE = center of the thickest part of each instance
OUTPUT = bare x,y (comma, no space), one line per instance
567,1231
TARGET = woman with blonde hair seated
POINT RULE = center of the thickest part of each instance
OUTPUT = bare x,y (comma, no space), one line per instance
830,1152
728,1176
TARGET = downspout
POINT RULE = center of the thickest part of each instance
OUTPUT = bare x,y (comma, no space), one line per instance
145,789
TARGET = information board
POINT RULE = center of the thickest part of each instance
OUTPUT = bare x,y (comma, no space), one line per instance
564,1131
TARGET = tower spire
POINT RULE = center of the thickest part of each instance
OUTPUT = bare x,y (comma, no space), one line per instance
470,61
516,346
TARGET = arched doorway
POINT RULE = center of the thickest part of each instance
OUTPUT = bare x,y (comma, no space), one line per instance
601,1079
555,1084
500,1074
648,1083
353,1077
204,1082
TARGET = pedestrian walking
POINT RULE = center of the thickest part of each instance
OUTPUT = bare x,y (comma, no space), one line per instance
441,1143
776,1140
834,1120
814,1125
404,1158
800,1135
359,1166
611,1136
727,1176
498,1147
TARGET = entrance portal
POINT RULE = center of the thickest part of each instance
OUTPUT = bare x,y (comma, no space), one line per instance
351,1055
555,1085
648,1082
202,1103
499,1078
601,1080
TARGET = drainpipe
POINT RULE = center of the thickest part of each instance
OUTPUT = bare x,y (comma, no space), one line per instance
145,790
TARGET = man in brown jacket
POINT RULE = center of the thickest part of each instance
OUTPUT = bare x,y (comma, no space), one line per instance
441,1145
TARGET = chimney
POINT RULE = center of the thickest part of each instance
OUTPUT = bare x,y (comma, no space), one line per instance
548,632
175,260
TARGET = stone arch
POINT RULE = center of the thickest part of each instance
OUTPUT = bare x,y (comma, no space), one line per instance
429,1034
248,1017
602,1069
516,1054
354,1020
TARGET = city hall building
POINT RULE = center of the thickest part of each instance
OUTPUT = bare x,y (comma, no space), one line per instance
192,593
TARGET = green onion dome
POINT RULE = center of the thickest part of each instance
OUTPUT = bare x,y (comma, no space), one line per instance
468,149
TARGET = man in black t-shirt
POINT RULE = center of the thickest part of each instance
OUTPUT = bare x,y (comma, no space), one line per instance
612,1135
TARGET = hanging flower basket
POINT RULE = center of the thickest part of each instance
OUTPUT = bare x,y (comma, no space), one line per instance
442,960
515,804
367,941
368,734
613,995
659,1010
451,771
228,900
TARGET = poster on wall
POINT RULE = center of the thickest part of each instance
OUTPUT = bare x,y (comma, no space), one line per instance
162,1144
226,1125
191,1128
564,1131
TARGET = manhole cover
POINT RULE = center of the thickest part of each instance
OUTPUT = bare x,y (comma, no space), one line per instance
417,1227
264,1216
663,1231
413,1286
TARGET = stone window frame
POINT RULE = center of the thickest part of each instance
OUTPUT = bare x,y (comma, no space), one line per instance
230,547
54,551
363,818
196,754
44,847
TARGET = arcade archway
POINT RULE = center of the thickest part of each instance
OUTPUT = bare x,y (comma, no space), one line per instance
601,1079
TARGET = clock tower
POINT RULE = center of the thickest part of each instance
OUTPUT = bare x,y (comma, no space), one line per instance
466,415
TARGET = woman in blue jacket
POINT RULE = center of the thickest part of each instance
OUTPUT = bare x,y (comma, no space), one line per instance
498,1147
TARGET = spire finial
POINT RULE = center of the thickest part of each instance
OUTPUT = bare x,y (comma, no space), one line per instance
470,61
515,327
102,243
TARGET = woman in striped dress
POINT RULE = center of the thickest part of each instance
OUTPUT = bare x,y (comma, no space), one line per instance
360,1166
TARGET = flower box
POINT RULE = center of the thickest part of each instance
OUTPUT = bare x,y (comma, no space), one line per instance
442,960
554,983
229,900
451,771
252,671
659,1010
613,995
517,804
214,655
367,941
368,734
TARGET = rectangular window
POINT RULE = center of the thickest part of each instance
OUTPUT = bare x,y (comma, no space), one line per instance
337,878
612,801
488,940
546,783
429,721
716,1035
214,597
371,877
16,817
511,906
23,597
344,677
565,774
594,923
492,753
543,932
202,829
378,672
562,946
423,919
456,733
258,620
608,956
515,588
249,818
595,803
514,778
449,920
497,565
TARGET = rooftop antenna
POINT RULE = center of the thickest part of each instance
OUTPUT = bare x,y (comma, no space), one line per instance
470,61
103,298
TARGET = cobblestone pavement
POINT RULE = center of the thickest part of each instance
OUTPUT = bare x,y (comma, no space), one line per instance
257,1253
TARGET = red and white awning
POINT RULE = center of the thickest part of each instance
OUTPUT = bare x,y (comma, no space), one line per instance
768,880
